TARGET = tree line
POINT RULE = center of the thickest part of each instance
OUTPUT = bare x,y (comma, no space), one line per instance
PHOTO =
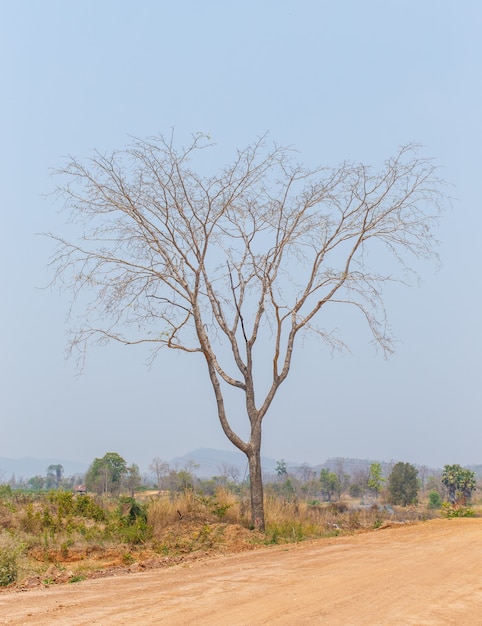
401,485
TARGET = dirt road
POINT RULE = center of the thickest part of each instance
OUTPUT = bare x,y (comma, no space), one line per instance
420,575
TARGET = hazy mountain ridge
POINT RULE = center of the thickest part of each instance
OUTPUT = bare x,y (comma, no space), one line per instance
208,462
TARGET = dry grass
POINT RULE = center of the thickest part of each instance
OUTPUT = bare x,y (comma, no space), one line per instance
167,509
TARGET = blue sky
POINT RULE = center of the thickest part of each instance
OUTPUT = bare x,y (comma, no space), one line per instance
346,80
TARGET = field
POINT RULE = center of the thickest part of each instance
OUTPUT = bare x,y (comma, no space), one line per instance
421,574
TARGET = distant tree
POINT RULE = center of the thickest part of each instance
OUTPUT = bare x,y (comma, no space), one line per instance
161,469
306,473
132,479
287,489
343,477
105,475
375,479
228,472
181,479
307,477
423,475
434,483
329,483
281,468
190,466
403,484
359,483
36,483
234,473
460,484
55,474
249,256
185,480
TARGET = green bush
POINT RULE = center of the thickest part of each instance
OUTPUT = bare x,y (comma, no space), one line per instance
5,491
434,500
86,506
450,511
130,522
9,555
63,500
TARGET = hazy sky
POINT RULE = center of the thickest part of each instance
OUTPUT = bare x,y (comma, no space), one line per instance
338,80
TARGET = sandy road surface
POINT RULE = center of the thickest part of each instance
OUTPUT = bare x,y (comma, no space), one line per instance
425,574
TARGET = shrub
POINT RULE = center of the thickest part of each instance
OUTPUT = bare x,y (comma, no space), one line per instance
434,500
451,511
86,506
9,555
64,502
5,491
31,519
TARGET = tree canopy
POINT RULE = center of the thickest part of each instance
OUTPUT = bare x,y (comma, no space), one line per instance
375,479
330,484
460,484
403,484
105,475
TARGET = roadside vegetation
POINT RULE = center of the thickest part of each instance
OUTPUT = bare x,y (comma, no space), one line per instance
120,521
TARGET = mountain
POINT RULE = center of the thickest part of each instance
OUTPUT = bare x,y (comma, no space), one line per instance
28,467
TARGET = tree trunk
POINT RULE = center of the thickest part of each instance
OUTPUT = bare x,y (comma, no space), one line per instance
256,484
252,449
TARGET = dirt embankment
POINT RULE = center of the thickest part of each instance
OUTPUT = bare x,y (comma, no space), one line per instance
418,575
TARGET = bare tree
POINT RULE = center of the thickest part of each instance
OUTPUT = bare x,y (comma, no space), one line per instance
306,473
229,471
161,469
343,477
359,483
247,257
